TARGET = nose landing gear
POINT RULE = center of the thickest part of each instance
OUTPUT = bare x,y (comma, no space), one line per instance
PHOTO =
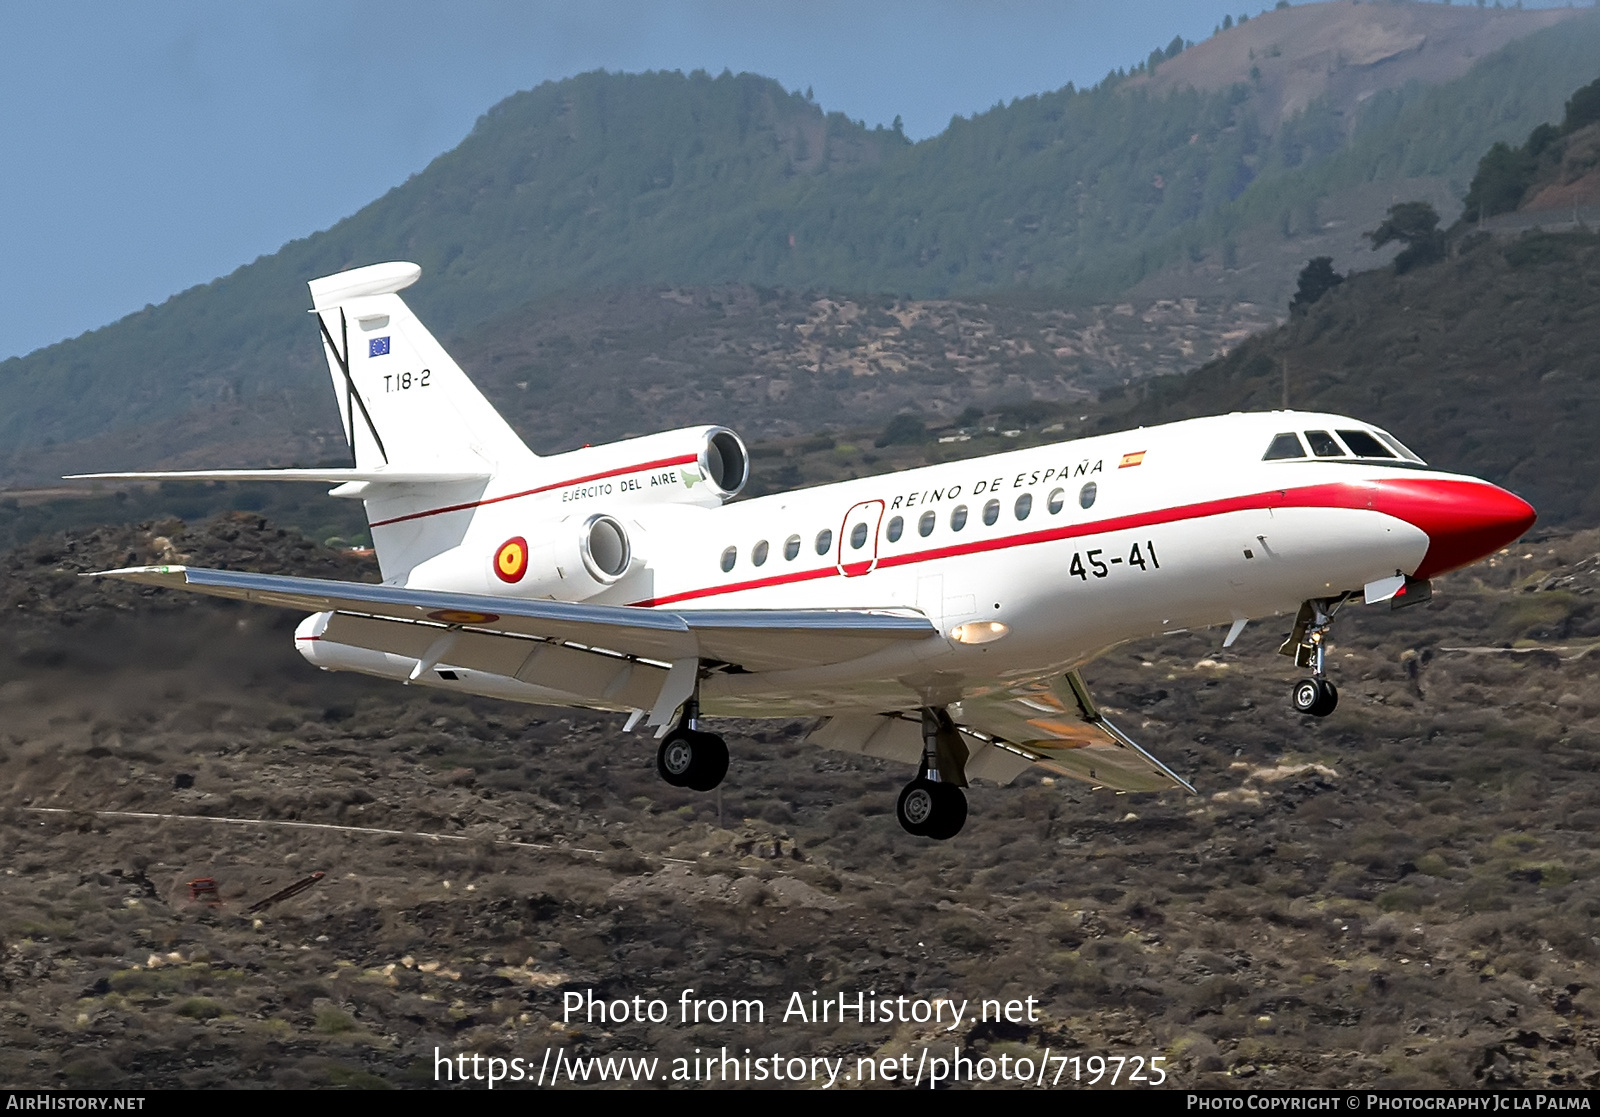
1315,696
933,805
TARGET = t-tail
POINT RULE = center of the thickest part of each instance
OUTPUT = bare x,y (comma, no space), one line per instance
421,434
429,452
406,406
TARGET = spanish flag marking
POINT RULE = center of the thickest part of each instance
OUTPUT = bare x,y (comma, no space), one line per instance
511,560
1131,459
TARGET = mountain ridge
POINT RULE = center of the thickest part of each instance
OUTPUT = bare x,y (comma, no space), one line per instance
606,180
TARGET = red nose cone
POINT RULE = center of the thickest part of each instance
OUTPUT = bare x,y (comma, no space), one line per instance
1464,520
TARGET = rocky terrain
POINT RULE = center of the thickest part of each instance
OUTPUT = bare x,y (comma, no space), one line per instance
1402,894
769,363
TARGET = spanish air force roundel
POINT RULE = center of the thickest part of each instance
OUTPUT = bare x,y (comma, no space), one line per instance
511,560
461,616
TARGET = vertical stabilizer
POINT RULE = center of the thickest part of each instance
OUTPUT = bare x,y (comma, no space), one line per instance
404,402
407,408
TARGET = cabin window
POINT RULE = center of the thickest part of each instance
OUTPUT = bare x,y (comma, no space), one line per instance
958,517
991,512
1285,445
1323,445
791,548
1058,500
896,526
729,557
858,537
758,553
925,525
1363,445
1024,506
824,541
1087,494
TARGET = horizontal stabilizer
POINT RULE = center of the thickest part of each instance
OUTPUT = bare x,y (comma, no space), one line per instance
326,476
755,639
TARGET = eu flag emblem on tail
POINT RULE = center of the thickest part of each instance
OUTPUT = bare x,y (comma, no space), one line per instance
378,347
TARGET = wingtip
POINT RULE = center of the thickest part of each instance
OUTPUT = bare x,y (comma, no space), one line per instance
135,572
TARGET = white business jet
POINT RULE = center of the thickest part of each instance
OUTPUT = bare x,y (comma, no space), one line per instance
937,616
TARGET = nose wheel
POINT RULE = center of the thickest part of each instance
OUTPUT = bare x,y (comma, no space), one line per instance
1316,697
1307,643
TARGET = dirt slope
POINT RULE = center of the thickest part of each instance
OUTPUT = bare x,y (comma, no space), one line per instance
1402,894
1346,51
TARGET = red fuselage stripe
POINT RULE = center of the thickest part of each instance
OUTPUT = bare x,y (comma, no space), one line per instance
683,459
1339,495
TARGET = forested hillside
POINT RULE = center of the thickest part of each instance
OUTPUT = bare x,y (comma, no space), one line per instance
610,180
1487,362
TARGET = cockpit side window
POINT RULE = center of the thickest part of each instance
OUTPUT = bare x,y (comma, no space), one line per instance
1286,445
1363,445
1323,445
1399,447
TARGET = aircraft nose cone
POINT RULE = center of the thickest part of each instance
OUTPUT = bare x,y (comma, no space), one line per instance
1464,520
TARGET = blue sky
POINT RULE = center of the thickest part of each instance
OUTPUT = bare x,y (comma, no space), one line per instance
149,147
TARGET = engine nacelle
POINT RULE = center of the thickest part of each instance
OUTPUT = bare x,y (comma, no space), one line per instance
694,465
570,559
570,565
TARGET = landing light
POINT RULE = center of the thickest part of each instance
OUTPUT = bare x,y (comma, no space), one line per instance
979,632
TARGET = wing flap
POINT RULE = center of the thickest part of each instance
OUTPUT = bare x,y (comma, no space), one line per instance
899,737
610,681
775,639
1059,724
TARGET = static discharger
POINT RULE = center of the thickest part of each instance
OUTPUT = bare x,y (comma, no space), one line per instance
294,889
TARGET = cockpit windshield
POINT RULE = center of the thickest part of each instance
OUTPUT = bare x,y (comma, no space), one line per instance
1323,445
1370,444
1364,445
1286,445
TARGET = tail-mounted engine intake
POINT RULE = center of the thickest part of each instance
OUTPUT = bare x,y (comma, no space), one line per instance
693,465
724,462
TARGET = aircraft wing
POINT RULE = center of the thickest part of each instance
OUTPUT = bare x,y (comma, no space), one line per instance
754,639
1053,725
1057,723
322,476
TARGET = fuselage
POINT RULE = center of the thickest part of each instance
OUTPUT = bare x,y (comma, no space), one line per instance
1028,563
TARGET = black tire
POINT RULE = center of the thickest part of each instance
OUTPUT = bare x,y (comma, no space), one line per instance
950,815
710,762
1330,699
918,803
1316,697
931,810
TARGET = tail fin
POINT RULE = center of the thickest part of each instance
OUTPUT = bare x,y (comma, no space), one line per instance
408,411
405,404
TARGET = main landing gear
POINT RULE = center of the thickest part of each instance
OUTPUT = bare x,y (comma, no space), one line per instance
1315,696
689,757
933,805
